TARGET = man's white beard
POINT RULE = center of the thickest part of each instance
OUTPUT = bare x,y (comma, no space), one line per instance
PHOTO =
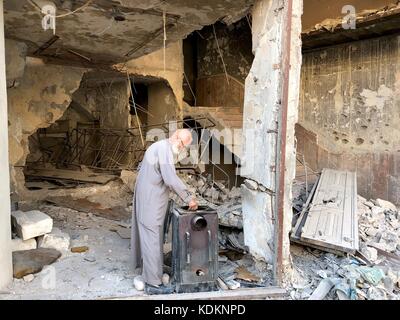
175,150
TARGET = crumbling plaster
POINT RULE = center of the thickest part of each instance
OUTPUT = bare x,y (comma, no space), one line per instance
15,61
350,105
43,95
234,43
350,96
152,65
261,115
93,32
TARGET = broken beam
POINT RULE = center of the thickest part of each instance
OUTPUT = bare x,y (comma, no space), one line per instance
46,45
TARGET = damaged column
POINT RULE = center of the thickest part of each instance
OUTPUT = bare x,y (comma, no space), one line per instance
264,101
5,207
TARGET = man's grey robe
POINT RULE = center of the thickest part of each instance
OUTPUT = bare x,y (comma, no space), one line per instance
157,176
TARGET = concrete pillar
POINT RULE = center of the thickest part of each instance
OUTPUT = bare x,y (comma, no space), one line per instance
262,111
5,220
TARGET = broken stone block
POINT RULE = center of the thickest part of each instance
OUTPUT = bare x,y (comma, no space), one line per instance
386,204
56,240
223,197
208,193
371,232
214,194
377,210
370,253
31,224
250,184
129,178
369,204
32,261
235,193
29,278
18,244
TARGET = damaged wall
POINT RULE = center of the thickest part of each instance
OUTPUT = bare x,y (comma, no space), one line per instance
162,106
235,44
112,105
152,66
41,98
315,11
349,113
15,61
213,87
261,113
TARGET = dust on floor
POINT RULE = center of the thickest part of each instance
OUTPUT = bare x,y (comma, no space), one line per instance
102,271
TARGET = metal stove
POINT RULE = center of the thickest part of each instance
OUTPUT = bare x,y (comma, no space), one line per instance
194,249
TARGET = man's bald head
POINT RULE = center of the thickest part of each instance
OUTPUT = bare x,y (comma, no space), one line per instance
181,138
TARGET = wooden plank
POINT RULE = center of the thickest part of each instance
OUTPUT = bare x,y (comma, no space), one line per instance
58,174
332,219
296,231
239,294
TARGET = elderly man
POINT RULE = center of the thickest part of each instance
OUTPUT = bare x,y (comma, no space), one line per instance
157,176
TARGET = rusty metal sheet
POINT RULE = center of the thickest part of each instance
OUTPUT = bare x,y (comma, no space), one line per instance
332,220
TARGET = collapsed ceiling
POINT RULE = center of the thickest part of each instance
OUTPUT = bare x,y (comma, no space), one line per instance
107,31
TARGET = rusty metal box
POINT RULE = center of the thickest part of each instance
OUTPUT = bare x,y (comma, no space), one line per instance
194,249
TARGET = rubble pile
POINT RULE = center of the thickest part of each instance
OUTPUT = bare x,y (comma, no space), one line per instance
379,226
237,268
371,274
35,242
216,195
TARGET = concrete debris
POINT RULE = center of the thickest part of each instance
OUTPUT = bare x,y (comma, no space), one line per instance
379,227
370,253
343,278
374,277
222,284
31,224
215,195
129,178
29,278
32,261
386,205
252,185
18,244
232,284
56,239
323,288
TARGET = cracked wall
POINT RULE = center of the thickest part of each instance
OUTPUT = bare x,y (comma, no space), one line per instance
43,94
261,113
349,113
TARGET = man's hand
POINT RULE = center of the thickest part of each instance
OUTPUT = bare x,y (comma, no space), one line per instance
193,204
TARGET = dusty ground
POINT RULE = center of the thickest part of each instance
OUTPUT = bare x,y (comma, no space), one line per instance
101,272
